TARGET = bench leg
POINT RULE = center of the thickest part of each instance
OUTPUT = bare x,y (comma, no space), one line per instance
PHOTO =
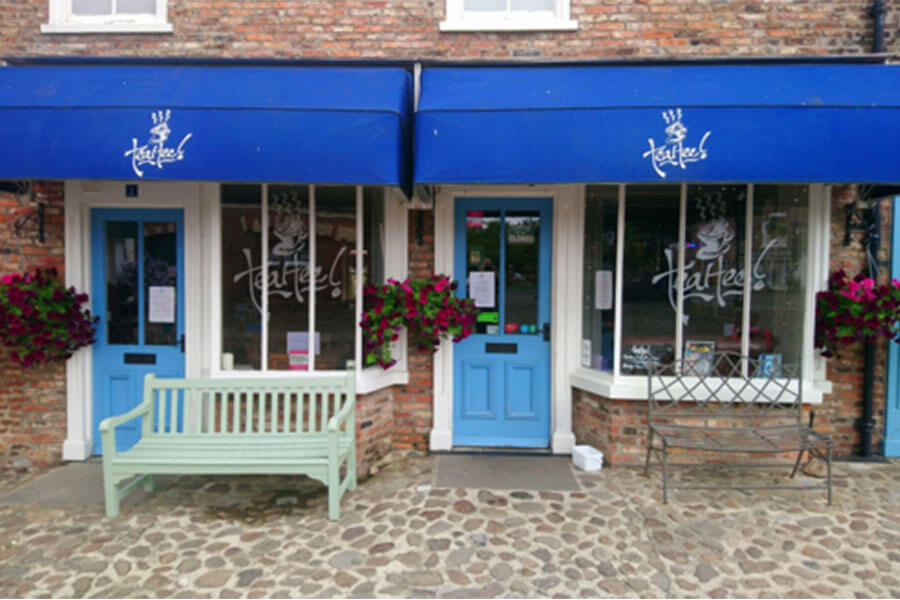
649,449
665,470
334,487
149,483
797,463
110,495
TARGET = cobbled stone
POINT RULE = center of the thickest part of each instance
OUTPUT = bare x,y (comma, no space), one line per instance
399,536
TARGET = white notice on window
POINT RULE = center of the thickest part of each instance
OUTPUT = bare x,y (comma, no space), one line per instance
162,304
481,289
603,290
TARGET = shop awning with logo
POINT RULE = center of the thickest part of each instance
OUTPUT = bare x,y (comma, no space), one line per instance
724,123
310,124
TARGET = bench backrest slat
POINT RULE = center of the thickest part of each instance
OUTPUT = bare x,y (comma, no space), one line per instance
268,405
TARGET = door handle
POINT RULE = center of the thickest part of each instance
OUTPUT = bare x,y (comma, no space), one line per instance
546,330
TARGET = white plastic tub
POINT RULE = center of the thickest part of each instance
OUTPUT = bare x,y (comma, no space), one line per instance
587,458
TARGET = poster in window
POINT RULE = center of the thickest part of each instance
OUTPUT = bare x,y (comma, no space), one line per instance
769,366
698,357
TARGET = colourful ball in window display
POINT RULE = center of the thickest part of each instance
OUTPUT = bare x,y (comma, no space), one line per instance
511,327
524,329
533,329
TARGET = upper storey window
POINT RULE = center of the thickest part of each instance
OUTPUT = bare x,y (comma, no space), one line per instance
507,15
110,16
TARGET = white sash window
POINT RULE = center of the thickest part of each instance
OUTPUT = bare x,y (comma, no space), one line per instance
507,15
107,16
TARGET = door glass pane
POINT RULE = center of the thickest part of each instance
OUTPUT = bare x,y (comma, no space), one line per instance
134,7
336,318
160,283
521,291
649,280
482,264
288,277
84,8
779,267
241,274
121,282
598,304
714,266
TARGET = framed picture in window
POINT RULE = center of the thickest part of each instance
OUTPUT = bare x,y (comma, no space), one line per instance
698,357
769,366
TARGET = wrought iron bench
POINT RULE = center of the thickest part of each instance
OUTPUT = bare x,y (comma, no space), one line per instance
731,404
272,425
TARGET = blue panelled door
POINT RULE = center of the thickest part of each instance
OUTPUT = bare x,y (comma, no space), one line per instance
501,377
137,285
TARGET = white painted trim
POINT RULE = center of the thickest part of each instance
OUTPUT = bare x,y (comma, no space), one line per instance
620,280
62,20
565,331
459,19
441,437
80,197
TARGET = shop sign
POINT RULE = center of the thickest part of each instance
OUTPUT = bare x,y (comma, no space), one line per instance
155,152
674,152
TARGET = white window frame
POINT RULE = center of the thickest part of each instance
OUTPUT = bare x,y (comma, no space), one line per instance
459,19
62,20
616,386
368,379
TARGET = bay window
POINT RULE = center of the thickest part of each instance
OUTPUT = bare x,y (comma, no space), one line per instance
675,267
295,253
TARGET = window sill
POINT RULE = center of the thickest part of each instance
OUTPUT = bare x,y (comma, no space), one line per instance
107,28
635,387
462,25
369,380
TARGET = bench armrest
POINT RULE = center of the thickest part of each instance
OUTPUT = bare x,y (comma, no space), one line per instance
141,410
342,415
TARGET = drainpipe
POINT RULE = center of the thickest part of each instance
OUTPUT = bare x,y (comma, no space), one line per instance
877,13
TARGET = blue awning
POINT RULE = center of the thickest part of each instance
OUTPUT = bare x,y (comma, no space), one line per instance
724,123
311,124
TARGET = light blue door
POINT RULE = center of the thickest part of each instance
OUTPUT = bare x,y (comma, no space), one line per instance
892,400
501,373
137,289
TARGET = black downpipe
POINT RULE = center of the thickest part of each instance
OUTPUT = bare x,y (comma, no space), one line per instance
877,12
866,424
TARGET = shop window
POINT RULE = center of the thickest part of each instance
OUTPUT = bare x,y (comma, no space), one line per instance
111,16
267,249
507,15
742,268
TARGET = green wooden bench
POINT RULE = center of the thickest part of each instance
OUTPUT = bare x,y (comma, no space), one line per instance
259,425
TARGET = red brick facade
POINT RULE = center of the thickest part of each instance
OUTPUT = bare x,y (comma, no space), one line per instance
32,401
32,404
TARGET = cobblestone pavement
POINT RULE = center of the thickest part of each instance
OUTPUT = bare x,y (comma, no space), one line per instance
401,536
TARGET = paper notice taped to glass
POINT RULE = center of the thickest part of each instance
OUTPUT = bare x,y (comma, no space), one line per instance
481,289
162,304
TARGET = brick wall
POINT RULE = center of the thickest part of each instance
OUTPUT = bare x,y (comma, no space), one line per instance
32,401
374,429
413,406
619,427
410,29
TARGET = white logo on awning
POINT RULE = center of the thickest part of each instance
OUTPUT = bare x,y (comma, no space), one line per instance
674,152
155,152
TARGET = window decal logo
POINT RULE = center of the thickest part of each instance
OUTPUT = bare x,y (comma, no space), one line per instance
674,152
155,152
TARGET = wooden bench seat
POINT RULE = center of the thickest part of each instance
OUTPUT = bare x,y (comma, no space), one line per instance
266,425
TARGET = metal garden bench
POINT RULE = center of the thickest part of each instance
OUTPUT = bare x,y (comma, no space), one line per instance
731,404
273,425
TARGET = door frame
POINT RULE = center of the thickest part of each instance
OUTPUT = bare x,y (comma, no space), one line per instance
568,202
891,444
81,196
